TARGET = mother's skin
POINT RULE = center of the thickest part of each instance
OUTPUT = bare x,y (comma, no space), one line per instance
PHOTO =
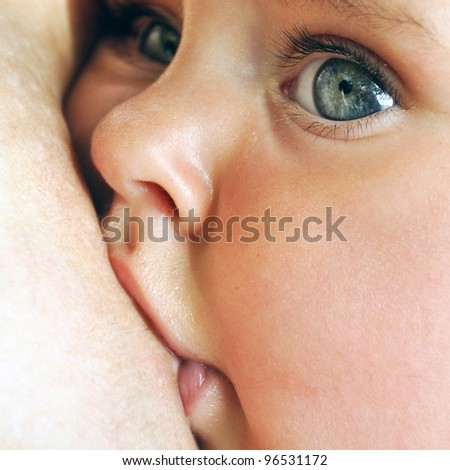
78,366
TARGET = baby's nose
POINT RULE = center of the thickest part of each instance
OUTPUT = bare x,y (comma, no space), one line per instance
167,151
143,146
179,133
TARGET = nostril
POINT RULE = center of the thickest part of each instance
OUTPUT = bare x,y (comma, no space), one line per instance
160,198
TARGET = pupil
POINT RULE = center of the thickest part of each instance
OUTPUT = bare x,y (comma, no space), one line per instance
171,47
346,87
345,90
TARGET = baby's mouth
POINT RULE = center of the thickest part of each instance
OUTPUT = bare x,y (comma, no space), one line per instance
192,377
212,407
208,397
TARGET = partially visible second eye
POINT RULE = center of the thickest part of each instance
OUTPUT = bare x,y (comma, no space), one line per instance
159,42
339,89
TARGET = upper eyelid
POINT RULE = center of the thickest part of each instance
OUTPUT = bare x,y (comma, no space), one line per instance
298,44
122,31
126,13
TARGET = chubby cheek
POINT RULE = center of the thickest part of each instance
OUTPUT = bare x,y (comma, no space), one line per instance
331,336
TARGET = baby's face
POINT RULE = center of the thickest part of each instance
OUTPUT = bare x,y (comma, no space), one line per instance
334,336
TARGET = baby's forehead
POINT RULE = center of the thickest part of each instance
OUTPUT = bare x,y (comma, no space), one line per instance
390,13
431,17
422,17
412,19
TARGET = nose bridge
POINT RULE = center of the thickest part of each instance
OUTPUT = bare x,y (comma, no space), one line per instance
176,132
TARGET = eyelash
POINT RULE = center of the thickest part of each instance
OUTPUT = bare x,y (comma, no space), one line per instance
301,44
296,46
117,25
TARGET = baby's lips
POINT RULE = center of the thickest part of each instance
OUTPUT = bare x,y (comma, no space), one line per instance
191,378
213,409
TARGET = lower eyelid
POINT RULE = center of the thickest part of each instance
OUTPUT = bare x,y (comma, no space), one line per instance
369,126
123,62
122,47
364,127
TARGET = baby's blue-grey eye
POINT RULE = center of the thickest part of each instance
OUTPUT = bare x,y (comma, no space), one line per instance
159,42
340,90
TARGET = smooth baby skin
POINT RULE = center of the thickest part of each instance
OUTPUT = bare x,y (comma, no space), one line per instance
333,344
